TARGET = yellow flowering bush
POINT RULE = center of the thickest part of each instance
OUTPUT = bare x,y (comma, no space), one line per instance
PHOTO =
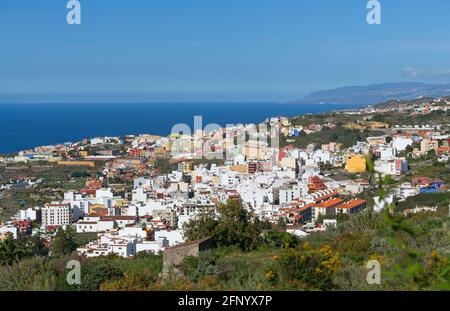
313,267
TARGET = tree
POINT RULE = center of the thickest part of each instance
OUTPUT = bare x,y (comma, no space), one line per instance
233,226
99,271
64,242
38,247
201,227
32,245
431,153
342,217
10,251
80,175
281,239
237,226
409,149
281,223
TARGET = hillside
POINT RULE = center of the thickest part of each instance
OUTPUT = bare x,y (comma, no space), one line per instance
376,93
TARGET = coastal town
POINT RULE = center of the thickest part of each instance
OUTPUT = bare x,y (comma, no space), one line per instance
207,155
136,193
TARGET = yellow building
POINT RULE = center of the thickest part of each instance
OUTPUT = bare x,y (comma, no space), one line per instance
285,122
373,141
374,125
215,180
427,145
83,153
354,126
255,150
239,168
186,167
77,163
367,125
289,163
356,164
122,203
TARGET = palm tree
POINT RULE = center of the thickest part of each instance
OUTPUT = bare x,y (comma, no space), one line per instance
10,252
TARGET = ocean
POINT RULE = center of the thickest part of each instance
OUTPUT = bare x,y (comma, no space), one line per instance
25,126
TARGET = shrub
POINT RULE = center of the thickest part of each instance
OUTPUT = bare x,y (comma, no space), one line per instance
33,274
95,272
312,267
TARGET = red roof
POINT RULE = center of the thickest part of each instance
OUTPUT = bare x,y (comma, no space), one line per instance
119,218
302,208
330,203
352,204
333,194
88,191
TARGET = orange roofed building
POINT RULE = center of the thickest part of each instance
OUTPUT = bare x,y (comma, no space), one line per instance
326,207
352,207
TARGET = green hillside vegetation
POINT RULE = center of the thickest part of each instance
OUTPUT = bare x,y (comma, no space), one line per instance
341,135
435,117
55,180
326,117
413,252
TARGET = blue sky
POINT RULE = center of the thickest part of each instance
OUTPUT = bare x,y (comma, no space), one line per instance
188,50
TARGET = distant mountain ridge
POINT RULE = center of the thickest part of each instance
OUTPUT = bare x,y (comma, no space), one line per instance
376,93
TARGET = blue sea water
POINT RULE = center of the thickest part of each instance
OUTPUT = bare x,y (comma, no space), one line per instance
25,126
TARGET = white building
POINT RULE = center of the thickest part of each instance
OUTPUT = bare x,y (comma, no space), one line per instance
400,143
228,179
56,215
109,245
406,190
387,154
139,195
94,225
393,168
28,214
294,230
126,242
8,229
152,246
142,182
122,221
174,237
330,223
